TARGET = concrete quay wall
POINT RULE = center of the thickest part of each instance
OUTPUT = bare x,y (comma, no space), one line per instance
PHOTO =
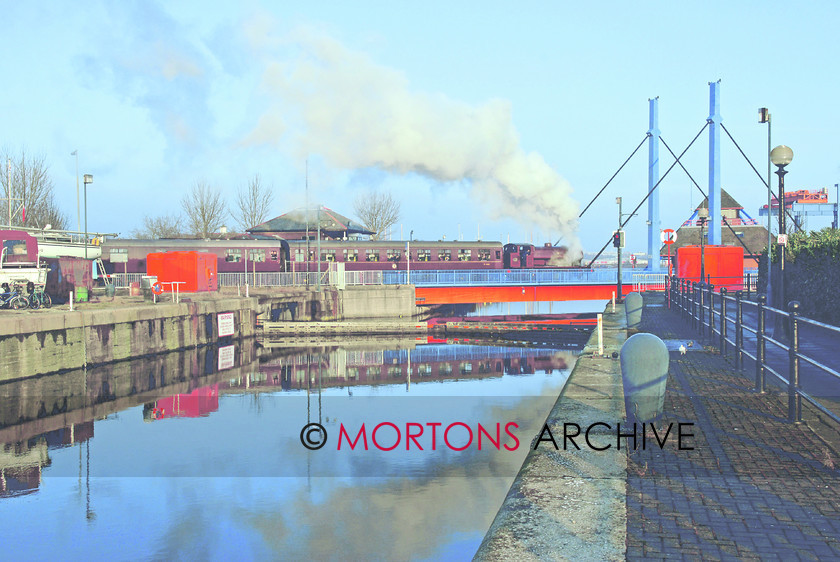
57,340
46,341
282,304
571,504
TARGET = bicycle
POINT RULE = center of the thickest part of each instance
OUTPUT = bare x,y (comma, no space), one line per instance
12,299
38,296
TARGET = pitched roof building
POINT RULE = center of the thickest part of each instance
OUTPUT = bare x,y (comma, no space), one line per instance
737,229
295,225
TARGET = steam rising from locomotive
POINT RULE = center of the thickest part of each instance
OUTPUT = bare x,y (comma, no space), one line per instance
357,114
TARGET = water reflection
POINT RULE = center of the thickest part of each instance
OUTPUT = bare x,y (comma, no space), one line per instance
234,415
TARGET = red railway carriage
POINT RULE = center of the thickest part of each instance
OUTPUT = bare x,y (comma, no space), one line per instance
129,255
275,254
373,255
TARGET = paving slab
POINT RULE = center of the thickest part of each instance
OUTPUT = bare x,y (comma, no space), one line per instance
755,486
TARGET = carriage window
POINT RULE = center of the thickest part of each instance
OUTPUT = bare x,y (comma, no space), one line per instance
327,255
300,254
394,255
119,255
234,255
464,255
15,247
444,255
372,255
424,255
273,255
424,369
445,369
256,255
498,254
351,255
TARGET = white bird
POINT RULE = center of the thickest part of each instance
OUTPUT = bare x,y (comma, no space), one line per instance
682,349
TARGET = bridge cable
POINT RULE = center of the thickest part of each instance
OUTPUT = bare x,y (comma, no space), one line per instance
763,181
648,135
749,251
645,198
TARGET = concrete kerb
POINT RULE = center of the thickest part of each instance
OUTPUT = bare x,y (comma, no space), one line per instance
570,504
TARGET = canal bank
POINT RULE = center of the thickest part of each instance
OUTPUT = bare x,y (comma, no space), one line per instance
45,342
571,503
112,329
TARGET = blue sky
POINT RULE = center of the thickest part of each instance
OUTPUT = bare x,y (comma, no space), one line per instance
484,115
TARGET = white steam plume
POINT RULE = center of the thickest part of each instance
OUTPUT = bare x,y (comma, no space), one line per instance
358,114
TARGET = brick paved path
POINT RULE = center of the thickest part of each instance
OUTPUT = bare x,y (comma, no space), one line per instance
755,486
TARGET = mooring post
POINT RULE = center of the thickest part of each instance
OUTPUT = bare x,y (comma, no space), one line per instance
644,370
633,304
600,334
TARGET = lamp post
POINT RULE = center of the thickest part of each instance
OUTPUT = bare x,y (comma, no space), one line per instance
781,156
88,179
78,212
408,258
702,250
764,117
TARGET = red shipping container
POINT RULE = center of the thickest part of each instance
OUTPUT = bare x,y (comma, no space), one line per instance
198,271
725,265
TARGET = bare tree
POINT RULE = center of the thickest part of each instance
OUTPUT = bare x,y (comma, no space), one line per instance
33,195
164,226
377,211
204,208
253,203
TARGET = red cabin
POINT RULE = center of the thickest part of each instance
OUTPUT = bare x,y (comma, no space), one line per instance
198,271
724,264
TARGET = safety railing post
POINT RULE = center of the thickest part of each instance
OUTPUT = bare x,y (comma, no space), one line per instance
668,291
794,398
692,287
749,284
701,313
711,301
739,330
760,346
722,321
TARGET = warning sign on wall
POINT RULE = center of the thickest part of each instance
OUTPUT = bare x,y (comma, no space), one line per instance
226,327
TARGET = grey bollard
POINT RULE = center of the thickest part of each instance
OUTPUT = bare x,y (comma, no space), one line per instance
633,309
644,370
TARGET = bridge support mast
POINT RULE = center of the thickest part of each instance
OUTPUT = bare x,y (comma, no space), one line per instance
714,163
654,224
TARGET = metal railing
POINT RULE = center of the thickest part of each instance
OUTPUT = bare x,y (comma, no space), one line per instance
435,278
649,281
501,277
123,280
709,313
